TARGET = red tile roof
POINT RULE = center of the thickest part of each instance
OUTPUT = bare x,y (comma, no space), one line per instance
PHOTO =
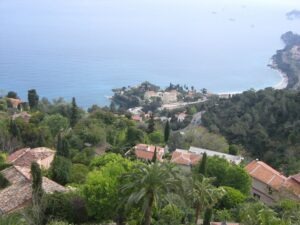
266,174
14,102
136,118
24,157
296,177
19,193
183,157
146,152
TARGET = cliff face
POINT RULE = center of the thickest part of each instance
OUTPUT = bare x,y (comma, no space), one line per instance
287,60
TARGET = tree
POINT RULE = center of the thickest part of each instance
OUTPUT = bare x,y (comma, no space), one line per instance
204,195
227,174
101,189
12,94
207,216
60,170
56,123
154,158
231,199
151,124
167,131
203,166
62,147
33,99
37,195
148,184
156,137
74,113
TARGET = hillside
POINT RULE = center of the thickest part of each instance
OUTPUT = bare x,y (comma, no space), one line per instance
265,122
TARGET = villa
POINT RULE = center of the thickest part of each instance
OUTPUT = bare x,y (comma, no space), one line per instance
18,194
270,186
146,152
24,157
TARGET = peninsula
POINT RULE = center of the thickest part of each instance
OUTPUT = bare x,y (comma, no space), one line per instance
287,60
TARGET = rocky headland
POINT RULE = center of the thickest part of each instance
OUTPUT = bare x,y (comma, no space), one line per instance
287,60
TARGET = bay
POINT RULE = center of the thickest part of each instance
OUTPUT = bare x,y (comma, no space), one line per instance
84,48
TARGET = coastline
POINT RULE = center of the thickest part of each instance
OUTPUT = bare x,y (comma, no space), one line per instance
284,77
282,84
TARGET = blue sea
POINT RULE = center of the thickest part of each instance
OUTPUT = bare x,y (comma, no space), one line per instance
85,48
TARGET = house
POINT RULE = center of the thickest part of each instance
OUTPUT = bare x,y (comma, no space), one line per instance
24,157
230,158
169,97
137,118
269,185
185,158
181,117
146,152
152,94
14,102
19,192
25,116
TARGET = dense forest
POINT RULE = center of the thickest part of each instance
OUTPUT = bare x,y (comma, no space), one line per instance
266,123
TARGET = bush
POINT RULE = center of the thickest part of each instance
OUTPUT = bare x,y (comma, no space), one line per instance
78,173
68,207
231,199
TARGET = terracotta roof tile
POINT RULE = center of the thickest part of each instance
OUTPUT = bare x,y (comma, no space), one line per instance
146,152
266,174
183,157
296,177
19,193
24,157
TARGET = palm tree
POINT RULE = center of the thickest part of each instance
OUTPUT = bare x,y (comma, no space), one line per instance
149,184
204,195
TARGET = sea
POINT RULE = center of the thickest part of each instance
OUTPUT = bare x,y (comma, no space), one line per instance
85,48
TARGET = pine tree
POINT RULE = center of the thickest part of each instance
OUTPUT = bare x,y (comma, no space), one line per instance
203,165
74,113
167,131
33,99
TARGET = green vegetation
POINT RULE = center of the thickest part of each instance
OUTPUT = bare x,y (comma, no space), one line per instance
108,184
265,123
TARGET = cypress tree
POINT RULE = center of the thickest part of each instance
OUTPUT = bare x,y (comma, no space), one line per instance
33,99
207,216
59,145
37,194
203,165
62,146
151,124
167,131
154,158
74,113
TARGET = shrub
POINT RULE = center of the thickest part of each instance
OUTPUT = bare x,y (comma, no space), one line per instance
68,207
